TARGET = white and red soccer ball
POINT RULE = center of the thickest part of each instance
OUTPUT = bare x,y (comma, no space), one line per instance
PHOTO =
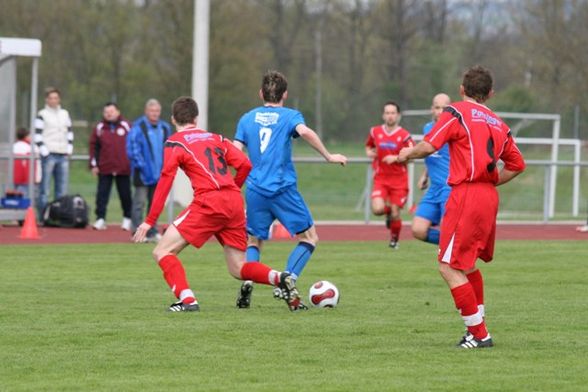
323,294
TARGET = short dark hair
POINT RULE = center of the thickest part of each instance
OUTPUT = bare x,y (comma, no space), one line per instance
477,83
273,86
22,133
107,104
184,110
51,90
393,103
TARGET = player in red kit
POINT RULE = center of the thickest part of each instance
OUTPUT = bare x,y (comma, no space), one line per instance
390,176
216,209
477,140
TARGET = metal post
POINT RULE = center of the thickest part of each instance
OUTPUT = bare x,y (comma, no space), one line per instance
576,183
554,158
318,70
367,208
410,201
11,125
546,193
200,59
34,88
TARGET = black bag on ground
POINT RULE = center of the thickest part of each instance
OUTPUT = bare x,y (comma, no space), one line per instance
67,211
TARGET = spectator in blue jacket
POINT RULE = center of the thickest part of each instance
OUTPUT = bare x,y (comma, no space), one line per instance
145,151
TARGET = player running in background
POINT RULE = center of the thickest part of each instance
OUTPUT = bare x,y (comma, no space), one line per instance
390,189
432,205
267,132
477,139
216,209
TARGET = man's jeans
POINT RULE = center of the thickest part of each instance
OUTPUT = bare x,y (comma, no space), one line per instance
143,195
53,165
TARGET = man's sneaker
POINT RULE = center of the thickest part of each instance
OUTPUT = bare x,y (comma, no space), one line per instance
126,224
278,294
469,341
388,220
582,229
182,307
394,244
244,297
154,239
100,224
290,292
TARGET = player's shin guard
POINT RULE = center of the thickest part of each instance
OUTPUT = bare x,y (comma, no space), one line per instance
175,276
298,258
395,227
252,253
465,302
433,236
477,283
260,273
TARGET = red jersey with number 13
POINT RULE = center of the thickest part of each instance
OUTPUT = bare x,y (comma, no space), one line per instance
205,157
477,139
389,143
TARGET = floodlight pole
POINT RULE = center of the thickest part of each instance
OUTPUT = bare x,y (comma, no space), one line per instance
200,59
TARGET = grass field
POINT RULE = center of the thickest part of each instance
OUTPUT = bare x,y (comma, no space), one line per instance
92,317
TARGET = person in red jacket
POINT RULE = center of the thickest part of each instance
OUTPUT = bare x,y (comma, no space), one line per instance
108,161
477,140
216,209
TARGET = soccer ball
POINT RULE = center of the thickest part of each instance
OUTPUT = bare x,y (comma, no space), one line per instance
323,294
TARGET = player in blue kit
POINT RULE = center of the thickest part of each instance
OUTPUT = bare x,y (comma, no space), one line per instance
432,205
267,132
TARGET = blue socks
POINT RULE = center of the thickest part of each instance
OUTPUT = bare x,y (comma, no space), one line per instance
252,253
298,258
433,236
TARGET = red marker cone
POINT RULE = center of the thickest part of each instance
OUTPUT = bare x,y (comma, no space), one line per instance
280,232
29,228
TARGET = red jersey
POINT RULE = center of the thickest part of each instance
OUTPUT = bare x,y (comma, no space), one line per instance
205,157
389,143
477,139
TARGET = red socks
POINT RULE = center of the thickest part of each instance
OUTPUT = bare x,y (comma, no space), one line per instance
475,279
175,276
395,227
260,273
465,301
387,210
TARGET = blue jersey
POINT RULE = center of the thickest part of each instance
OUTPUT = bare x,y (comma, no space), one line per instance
438,162
267,132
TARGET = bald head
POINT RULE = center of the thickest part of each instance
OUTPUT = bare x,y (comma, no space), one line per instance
440,101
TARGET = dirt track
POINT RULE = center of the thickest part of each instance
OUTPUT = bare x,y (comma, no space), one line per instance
327,232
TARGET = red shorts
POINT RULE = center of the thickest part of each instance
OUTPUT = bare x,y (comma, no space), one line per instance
394,194
468,228
218,213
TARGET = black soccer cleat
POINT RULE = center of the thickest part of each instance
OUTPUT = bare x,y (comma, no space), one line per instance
290,292
394,244
244,296
182,307
469,341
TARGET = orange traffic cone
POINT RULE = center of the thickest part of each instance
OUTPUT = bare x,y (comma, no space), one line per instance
280,231
29,228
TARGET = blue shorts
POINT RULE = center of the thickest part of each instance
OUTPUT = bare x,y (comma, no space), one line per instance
288,207
432,205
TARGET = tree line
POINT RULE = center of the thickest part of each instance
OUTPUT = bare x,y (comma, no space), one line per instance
343,58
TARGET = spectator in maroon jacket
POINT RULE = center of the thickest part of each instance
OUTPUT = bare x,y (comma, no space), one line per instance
108,161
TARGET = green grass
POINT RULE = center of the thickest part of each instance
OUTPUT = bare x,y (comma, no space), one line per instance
92,317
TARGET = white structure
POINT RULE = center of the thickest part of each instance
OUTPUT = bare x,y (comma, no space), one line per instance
10,50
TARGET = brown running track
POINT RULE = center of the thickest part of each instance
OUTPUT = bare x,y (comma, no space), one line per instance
327,232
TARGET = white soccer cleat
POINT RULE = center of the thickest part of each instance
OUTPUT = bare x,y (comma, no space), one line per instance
582,229
126,224
100,224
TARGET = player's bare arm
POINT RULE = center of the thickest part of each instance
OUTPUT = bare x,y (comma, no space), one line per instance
315,142
371,152
423,182
390,159
238,144
421,150
506,175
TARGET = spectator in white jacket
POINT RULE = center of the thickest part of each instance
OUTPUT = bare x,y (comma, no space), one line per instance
54,139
